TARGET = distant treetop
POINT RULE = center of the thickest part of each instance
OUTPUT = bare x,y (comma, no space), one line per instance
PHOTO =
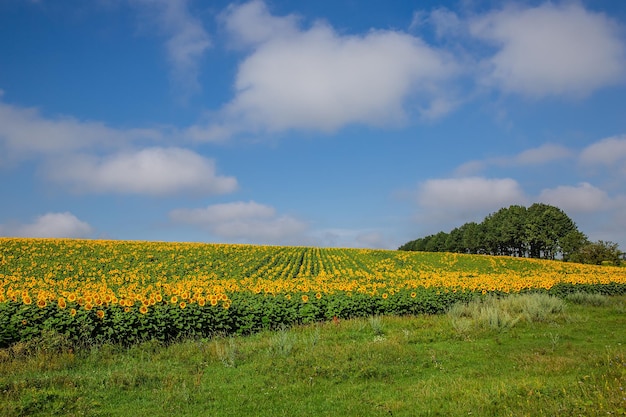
539,231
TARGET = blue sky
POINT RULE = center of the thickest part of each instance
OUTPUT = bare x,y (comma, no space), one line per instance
328,123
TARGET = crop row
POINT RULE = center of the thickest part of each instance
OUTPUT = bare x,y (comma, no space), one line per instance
125,291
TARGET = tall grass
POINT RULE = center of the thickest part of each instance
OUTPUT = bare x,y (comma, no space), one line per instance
503,313
587,299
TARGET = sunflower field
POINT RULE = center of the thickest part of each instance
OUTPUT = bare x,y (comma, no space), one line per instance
127,291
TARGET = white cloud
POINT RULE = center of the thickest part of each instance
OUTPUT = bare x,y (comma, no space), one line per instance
544,154
372,240
351,238
317,79
51,225
470,168
584,198
606,152
25,131
152,171
457,198
446,22
187,40
244,221
551,50
252,24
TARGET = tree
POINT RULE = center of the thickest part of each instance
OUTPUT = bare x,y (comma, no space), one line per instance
545,227
437,243
572,243
504,231
540,231
454,242
472,238
598,253
513,231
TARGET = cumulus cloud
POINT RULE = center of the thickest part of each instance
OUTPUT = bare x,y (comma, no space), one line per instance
252,24
151,171
50,225
318,79
25,131
584,198
187,40
243,221
458,198
540,155
446,23
607,152
551,49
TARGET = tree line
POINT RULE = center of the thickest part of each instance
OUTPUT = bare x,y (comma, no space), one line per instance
539,231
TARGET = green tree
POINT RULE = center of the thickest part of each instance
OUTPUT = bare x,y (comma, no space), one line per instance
454,241
472,238
437,243
545,227
598,253
572,243
540,231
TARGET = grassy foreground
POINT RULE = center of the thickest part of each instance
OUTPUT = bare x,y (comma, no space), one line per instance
495,358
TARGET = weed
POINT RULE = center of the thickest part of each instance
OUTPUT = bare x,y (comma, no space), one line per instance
282,342
590,299
377,325
227,351
503,313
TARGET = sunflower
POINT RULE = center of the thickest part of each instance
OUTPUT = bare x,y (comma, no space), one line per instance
88,306
201,302
73,312
41,303
100,314
318,295
174,299
27,300
143,309
71,298
385,295
413,295
182,305
62,303
305,298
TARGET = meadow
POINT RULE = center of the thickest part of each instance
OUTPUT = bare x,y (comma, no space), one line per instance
567,358
113,328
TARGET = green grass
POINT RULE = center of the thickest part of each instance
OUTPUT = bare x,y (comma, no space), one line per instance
554,358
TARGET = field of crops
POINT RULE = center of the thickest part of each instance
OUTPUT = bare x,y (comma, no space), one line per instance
122,291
